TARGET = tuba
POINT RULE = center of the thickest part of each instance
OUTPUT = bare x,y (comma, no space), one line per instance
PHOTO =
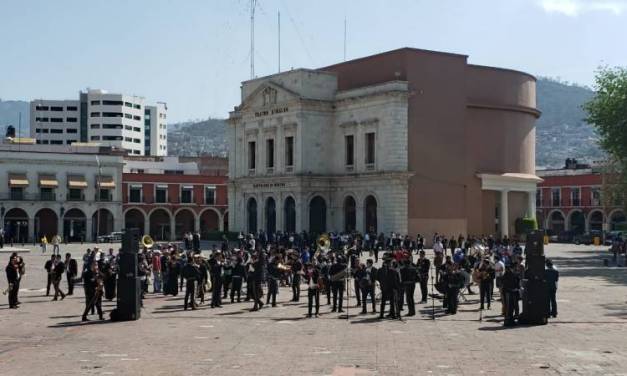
147,241
324,243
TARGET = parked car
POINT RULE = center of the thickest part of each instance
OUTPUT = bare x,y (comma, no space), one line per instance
565,237
113,237
610,236
587,238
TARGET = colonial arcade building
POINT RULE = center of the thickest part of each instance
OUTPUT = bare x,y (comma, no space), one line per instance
409,140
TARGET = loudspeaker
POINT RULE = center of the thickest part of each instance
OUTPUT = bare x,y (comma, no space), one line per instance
129,300
535,266
127,265
535,243
535,302
130,241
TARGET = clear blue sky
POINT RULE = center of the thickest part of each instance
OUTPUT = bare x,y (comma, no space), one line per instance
193,54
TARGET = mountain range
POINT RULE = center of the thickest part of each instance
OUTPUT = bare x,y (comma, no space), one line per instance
561,131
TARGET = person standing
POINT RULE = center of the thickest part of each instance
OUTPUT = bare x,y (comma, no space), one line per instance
274,275
1,236
227,277
552,276
337,270
312,274
511,285
367,277
387,277
156,272
409,276
191,273
93,285
215,273
454,282
44,244
71,273
485,274
239,275
297,269
48,267
12,272
258,266
424,265
56,241
57,273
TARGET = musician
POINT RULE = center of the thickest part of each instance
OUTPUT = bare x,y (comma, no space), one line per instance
297,269
424,265
552,276
409,277
389,281
191,273
215,273
71,272
239,275
485,277
326,278
93,285
12,272
48,266
499,270
274,275
57,273
312,278
338,285
438,260
454,282
258,265
511,285
227,277
366,275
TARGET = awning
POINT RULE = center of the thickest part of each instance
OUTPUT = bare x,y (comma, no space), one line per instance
48,181
76,182
18,180
509,181
105,182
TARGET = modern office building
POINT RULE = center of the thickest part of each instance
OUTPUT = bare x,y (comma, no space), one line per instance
409,140
117,120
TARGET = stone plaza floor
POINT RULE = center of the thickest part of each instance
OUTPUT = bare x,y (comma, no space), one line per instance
589,337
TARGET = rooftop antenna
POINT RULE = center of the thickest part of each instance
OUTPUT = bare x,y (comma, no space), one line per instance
344,38
253,3
279,36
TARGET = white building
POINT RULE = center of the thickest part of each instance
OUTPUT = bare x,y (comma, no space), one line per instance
117,120
73,191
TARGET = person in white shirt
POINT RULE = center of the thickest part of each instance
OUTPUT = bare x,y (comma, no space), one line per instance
499,270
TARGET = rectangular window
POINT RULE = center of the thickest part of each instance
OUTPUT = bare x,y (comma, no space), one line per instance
42,119
71,130
56,108
56,131
45,142
71,108
104,195
95,138
56,120
75,194
251,155
128,116
45,130
595,197
135,193
41,108
111,126
161,194
538,197
370,149
187,195
112,114
270,153
17,193
112,103
210,195
137,141
349,142
112,138
46,194
38,130
137,106
95,103
136,129
127,104
71,120
70,142
555,197
135,117
575,196
56,142
94,114
128,139
289,151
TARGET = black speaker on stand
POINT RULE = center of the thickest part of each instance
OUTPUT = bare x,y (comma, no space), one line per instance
535,296
129,284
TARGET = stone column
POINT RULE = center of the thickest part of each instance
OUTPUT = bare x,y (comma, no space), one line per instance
147,225
531,204
504,214
172,228
197,223
89,230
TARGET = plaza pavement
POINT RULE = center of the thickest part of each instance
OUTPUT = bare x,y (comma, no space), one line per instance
587,338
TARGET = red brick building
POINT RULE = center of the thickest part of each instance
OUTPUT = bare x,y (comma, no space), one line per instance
168,197
570,199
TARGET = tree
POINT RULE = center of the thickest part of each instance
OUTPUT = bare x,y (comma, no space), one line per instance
607,112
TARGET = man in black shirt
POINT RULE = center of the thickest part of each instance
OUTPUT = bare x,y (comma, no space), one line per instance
409,276
191,273
71,273
239,275
13,280
93,284
273,281
57,273
424,265
389,281
337,283
552,276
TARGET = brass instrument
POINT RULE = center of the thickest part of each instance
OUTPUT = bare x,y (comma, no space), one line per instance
323,243
147,241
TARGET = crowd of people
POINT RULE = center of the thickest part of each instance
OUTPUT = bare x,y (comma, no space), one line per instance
332,267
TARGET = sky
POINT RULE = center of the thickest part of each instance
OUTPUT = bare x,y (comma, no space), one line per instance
193,54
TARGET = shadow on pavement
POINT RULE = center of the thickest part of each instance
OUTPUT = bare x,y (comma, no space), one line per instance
79,323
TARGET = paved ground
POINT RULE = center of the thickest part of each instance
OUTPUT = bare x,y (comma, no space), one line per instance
588,337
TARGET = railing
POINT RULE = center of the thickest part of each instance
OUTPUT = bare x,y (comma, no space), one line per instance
80,197
21,196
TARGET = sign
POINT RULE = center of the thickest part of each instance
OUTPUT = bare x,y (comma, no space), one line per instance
274,111
269,185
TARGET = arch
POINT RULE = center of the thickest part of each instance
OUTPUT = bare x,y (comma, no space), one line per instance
46,223
16,226
617,220
556,221
184,221
159,223
209,222
370,214
101,222
251,215
317,215
595,220
350,214
135,218
289,214
270,215
576,221
75,225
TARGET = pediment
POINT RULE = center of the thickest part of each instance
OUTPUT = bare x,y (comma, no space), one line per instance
268,94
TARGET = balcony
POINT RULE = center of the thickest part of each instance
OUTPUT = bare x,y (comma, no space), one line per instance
75,197
103,197
21,196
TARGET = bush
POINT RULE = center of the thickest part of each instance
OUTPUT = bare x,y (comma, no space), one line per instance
525,225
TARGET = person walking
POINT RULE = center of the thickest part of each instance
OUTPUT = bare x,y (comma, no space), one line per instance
56,241
71,272
552,276
57,273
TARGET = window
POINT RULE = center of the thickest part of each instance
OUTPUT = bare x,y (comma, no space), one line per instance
56,108
56,131
136,129
270,153
56,142
71,130
104,195
112,138
210,195
111,126
251,155
575,196
127,104
161,194
128,139
555,197
349,142
46,194
95,114
41,119
95,138
75,194
596,197
112,103
38,130
137,107
70,142
289,151
45,142
71,120
41,108
187,194
370,148
95,126
71,108
128,116
56,120
137,140
135,193
135,117
112,114
136,152
45,130
17,193
95,103
538,197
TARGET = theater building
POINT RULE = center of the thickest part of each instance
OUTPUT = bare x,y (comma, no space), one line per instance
409,140
166,197
74,191
571,199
